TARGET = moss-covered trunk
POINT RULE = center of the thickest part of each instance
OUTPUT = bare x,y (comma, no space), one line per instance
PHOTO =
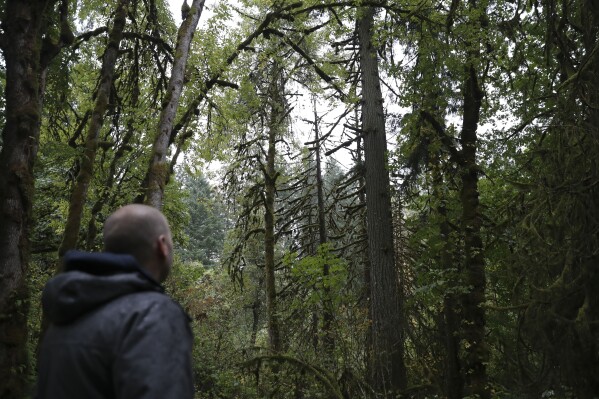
158,170
22,25
270,181
327,306
102,96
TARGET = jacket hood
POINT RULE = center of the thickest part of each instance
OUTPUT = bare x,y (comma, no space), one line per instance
90,280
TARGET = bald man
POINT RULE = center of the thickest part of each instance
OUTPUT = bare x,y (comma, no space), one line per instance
113,332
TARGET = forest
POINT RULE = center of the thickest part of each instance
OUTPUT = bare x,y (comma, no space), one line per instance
369,198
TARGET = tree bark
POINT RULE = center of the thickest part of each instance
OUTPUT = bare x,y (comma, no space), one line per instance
366,294
23,28
102,96
327,306
454,383
476,356
270,180
256,307
388,369
158,170
588,313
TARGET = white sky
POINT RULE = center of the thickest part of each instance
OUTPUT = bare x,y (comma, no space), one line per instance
175,6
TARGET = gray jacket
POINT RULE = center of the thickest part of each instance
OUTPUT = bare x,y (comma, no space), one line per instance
113,334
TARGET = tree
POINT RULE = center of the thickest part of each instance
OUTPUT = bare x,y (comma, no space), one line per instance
26,55
102,98
275,117
206,229
388,368
557,205
158,170
327,307
260,151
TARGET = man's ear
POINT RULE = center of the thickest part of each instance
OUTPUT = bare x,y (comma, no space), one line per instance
163,247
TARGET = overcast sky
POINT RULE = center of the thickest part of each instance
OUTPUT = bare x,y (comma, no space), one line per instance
176,9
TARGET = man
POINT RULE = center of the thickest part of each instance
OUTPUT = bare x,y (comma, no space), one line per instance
113,332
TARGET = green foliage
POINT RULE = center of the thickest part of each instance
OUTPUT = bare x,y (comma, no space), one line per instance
205,229
218,320
309,273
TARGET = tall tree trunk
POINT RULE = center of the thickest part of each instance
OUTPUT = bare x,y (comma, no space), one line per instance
158,169
102,95
270,181
588,315
454,383
23,28
310,243
388,368
476,356
366,295
327,306
256,307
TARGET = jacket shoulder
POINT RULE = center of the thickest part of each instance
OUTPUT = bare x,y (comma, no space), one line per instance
148,307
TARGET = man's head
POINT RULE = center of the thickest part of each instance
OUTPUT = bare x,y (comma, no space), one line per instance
141,231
